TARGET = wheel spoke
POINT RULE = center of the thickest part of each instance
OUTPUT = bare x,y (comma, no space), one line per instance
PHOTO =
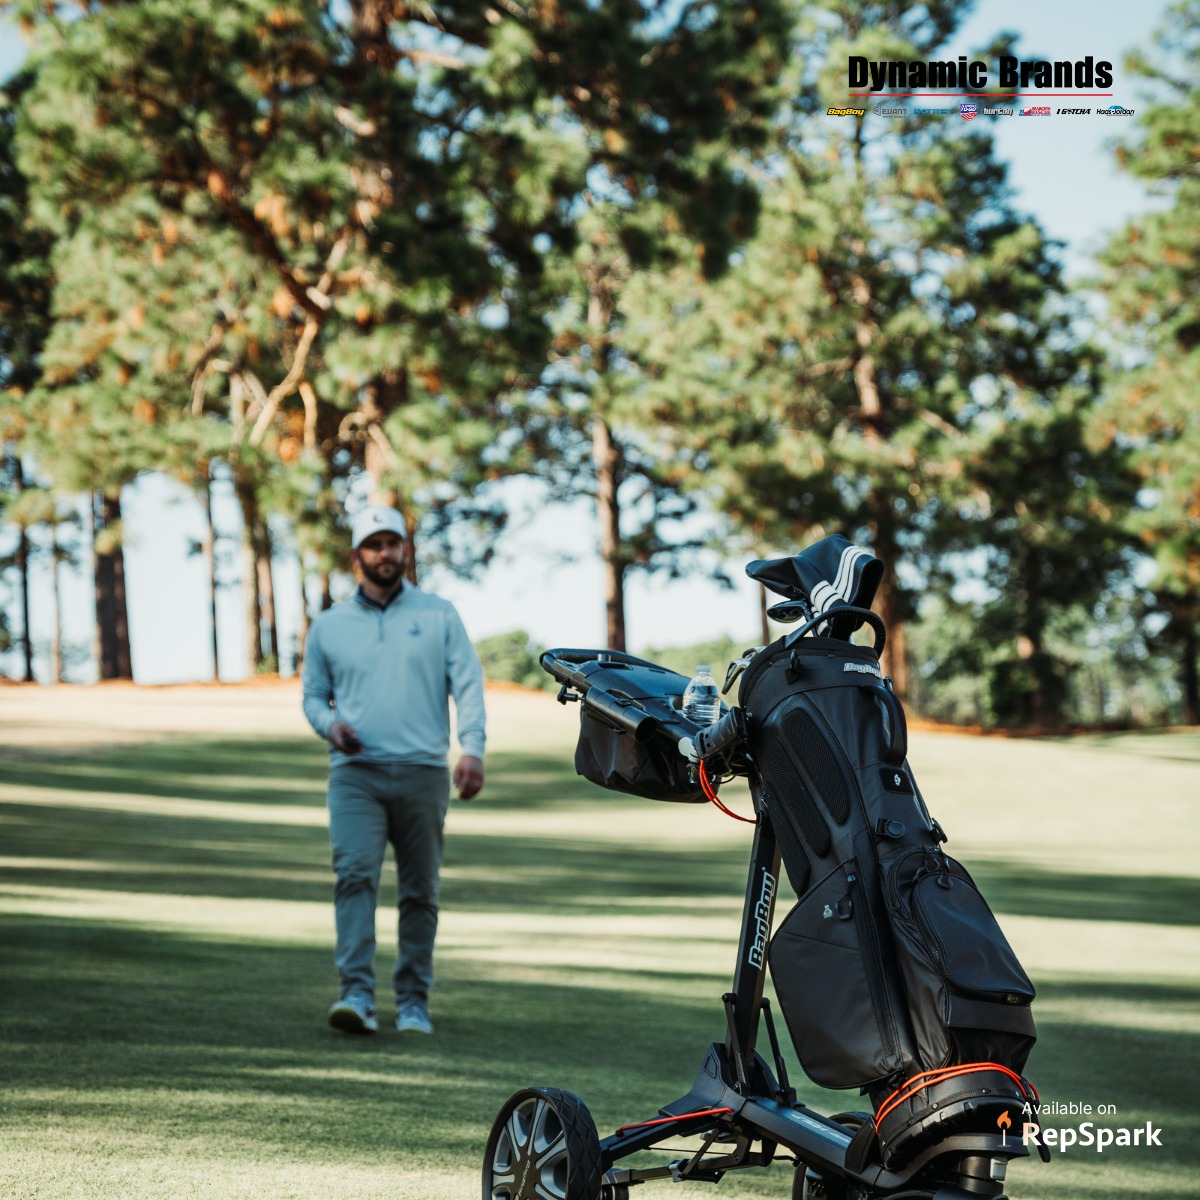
556,1147
535,1125
516,1137
548,1191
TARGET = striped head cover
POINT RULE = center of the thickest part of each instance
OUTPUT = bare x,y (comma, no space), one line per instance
832,573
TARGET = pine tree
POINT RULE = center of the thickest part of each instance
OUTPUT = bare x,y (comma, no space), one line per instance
1151,278
881,343
673,195
322,226
25,291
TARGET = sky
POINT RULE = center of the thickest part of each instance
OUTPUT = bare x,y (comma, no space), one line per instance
547,579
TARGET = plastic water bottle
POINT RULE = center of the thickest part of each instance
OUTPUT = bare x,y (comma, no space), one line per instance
702,701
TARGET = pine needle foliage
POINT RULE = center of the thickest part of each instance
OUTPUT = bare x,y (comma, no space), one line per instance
1151,280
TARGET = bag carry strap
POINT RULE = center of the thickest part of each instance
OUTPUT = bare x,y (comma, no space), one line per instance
863,614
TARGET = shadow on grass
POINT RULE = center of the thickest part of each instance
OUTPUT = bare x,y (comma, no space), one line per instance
125,1025
186,855
195,856
134,852
269,771
120,1034
1019,888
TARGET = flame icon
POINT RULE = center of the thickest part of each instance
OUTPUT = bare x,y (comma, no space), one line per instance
1004,1120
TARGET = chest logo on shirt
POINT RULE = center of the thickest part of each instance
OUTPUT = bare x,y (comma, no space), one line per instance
414,630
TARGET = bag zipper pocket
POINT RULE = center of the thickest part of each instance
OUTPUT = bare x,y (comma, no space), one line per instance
868,939
929,935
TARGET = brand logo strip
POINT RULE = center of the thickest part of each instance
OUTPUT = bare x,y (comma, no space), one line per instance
864,669
762,920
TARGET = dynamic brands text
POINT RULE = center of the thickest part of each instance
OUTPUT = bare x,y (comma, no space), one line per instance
952,73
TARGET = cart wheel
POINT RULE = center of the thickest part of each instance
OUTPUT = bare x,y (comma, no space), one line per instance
810,1185
543,1146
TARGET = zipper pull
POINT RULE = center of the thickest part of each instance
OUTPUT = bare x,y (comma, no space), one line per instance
944,879
845,906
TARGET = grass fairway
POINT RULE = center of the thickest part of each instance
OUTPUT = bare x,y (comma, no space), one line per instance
166,934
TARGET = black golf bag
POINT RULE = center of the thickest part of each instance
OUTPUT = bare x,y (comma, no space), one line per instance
891,966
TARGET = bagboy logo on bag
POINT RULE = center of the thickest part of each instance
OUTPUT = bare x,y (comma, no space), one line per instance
762,920
864,669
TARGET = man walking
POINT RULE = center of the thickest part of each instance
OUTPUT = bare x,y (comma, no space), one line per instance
378,671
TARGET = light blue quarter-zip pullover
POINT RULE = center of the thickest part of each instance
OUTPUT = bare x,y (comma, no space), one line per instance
389,671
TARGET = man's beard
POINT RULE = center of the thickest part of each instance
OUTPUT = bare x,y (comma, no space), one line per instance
383,574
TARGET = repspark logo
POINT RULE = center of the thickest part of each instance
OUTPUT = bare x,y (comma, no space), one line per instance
762,920
846,112
1088,1134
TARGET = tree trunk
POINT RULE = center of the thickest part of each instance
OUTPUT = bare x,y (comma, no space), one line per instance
22,562
210,557
762,612
382,397
302,628
266,589
894,661
326,593
56,645
607,456
1190,676
250,575
26,636
112,612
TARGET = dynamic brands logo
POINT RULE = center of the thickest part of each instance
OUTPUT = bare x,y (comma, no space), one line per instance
1074,112
846,112
762,920
1114,110
968,111
997,112
1035,112
897,76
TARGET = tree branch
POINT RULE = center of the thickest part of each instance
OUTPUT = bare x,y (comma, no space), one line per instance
285,385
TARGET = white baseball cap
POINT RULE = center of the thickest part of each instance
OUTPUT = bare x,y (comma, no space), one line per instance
375,519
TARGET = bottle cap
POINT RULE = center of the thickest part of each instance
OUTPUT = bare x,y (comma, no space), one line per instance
704,669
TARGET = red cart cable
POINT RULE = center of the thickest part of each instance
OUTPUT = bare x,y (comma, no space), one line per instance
703,1112
927,1078
712,795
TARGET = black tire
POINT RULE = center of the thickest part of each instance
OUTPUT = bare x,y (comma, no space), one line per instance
543,1146
811,1185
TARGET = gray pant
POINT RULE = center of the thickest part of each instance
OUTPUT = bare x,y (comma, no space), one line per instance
371,804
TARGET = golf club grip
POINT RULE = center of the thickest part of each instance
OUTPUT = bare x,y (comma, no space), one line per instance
621,714
712,739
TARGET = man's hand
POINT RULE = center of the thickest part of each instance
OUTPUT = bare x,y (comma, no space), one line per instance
468,777
342,737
